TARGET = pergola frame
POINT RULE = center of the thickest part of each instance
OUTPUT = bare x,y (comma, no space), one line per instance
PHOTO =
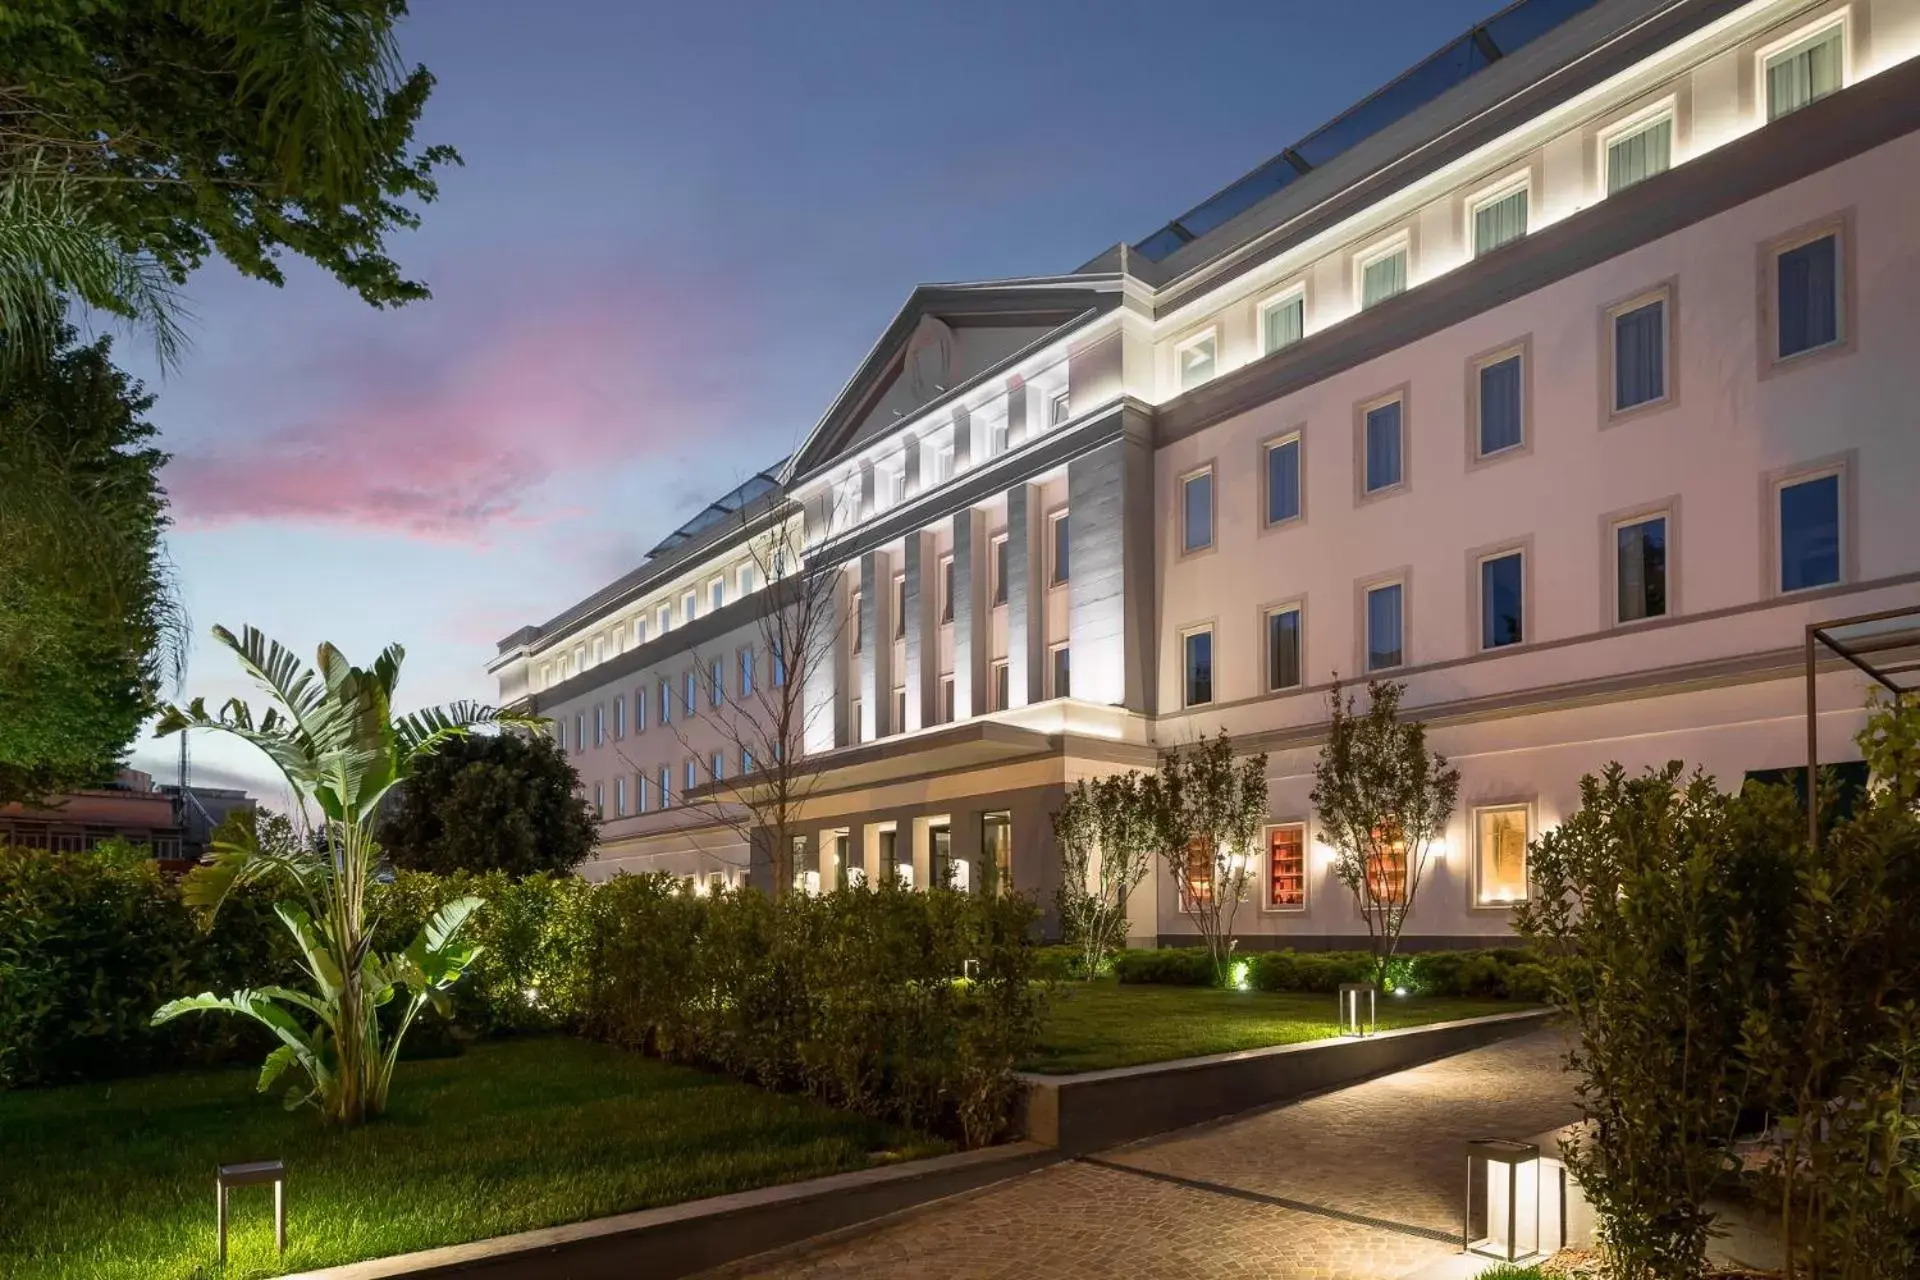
1859,652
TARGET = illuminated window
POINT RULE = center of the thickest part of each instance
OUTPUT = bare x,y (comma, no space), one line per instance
1499,219
1382,276
1283,321
1387,870
1062,550
1287,866
996,852
998,560
1639,151
1196,886
1197,359
1500,855
1806,71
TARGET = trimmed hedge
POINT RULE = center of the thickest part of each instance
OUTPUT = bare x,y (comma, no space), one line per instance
1500,973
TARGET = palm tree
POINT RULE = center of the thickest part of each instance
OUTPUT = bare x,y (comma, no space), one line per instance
333,735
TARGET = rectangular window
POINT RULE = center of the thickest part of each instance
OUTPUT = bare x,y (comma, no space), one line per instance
1809,523
1197,668
692,778
690,692
1196,511
997,437
1196,886
779,659
620,796
746,760
599,801
859,623
1500,855
1386,626
1061,670
746,672
580,731
1499,220
1640,153
943,463
1640,355
1386,872
899,606
1062,549
899,724
1196,358
1283,322
663,616
1502,584
999,562
666,702
1287,866
666,786
716,681
1283,648
749,579
1498,404
560,734
1385,444
599,724
946,589
620,717
640,801
689,605
717,594
946,700
718,765
1002,685
996,853
639,632
599,650
1640,575
1283,480
859,730
639,710
1807,296
1805,72
1383,277
1059,407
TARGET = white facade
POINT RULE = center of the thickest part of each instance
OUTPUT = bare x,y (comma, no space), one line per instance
1589,425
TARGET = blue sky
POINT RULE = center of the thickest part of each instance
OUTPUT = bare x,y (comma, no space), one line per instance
677,230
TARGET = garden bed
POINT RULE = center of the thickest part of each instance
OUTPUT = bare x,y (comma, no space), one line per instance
1093,1026
116,1180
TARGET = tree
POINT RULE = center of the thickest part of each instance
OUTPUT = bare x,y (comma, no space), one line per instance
89,626
1106,834
1383,799
333,735
140,137
1206,811
490,802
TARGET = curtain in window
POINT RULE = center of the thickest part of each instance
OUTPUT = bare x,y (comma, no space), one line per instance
1383,628
1499,221
1285,323
1383,446
1283,649
1810,534
1639,155
1283,482
1642,574
1809,296
1382,278
1640,355
1804,74
1500,405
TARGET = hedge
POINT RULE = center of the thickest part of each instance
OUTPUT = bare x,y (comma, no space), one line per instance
1501,973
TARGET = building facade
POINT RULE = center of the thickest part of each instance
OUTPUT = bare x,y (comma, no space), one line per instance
1565,380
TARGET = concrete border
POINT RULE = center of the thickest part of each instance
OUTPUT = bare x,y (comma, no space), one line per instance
681,1239
1096,1109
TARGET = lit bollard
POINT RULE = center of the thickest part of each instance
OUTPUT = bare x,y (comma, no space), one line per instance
256,1173
1512,1180
1357,1011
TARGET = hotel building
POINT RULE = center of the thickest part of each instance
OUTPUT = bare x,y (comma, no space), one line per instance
1565,379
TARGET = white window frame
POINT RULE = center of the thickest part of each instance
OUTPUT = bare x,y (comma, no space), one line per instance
899,601
1777,482
1478,900
1059,407
1208,630
1667,512
999,591
1053,667
949,704
1667,294
1367,587
1479,560
1208,337
1810,33
1000,685
1298,606
1298,438
944,575
1054,578
1379,251
1522,349
1403,394
1266,867
1205,470
1666,108
1506,187
1294,292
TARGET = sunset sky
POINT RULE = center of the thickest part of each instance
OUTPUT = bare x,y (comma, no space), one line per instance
678,229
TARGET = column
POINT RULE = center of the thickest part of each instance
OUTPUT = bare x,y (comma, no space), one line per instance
824,672
1110,595
970,613
1026,596
1016,411
923,634
876,650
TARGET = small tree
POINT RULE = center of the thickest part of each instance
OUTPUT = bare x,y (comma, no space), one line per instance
1107,838
490,802
1205,810
1383,799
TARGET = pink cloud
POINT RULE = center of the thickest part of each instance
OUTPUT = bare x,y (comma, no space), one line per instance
441,445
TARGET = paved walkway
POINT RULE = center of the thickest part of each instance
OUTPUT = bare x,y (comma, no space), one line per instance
1361,1184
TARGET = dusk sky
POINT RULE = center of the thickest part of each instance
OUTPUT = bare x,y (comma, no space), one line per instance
677,231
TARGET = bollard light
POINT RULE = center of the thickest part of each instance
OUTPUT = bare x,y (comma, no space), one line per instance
253,1174
1357,1009
1510,1173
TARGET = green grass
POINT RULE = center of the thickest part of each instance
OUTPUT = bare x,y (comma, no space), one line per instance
1092,1026
115,1182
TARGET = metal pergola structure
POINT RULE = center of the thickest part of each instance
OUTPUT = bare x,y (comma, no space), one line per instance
1884,646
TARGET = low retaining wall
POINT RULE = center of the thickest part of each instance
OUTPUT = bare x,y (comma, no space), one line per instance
1096,1109
681,1239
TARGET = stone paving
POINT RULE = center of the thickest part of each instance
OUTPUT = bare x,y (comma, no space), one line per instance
1364,1183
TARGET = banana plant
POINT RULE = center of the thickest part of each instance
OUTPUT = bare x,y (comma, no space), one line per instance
333,736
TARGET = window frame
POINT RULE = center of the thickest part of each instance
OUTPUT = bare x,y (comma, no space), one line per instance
999,561
1477,560
949,700
899,599
1054,654
746,671
1363,591
1666,292
1522,348
1206,335
1840,226
1398,241
1293,291
1296,436
1611,523
897,710
1188,634
1404,395
1205,469
1527,807
944,571
1267,903
1000,685
1637,118
1059,407
1055,519
855,599
1296,605
1506,188
1836,18
1844,467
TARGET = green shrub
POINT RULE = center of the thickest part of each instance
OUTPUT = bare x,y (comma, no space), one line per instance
1167,966
1059,963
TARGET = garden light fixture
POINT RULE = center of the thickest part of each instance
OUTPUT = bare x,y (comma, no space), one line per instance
253,1174
1510,1175
1358,1015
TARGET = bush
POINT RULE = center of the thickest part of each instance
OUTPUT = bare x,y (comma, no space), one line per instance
1169,966
1059,963
1321,971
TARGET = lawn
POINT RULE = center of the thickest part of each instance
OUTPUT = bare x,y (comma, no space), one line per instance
116,1181
1092,1026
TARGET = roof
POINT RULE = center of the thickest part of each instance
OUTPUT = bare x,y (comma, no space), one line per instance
716,512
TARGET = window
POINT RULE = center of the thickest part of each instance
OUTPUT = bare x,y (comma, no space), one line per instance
718,765
746,672
1060,670
1502,587
690,692
779,667
1283,321
899,724
1062,565
1806,296
997,438
663,616
1196,511
1196,648
943,463
692,772
666,786
716,681
996,853
1196,886
1386,869
689,605
1638,352
749,580
890,855
1382,276
1499,385
620,796
599,724
1383,444
1809,524
640,803
666,702
1639,151
999,561
1283,648
859,730
1805,72
1500,855
599,801
1386,626
1287,866
580,731
1059,407
1283,480
859,623
717,594
946,589
947,708
746,760
599,650
1196,359
1000,674
639,710
620,717
899,606
1640,574
560,734
1499,219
